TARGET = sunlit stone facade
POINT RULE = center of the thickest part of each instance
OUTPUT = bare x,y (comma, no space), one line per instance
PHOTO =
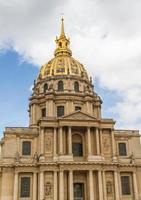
68,152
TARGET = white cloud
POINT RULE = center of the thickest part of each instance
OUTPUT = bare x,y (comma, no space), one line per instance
105,35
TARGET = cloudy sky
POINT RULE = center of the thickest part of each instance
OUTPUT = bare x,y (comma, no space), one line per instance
105,37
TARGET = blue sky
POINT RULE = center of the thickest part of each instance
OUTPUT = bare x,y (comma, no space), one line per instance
105,36
16,79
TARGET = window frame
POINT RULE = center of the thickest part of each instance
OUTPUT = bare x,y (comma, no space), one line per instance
43,110
29,190
119,152
26,140
45,88
60,86
78,142
60,106
78,154
83,190
76,86
130,182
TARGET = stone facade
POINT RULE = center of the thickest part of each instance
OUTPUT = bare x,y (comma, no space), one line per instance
68,152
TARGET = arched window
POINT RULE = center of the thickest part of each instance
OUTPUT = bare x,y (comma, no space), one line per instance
60,44
43,112
76,86
45,87
60,111
60,86
77,145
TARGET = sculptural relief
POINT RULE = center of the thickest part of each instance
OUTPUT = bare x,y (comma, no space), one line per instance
107,143
60,66
74,67
48,144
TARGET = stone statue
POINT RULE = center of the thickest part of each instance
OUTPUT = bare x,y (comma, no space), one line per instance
36,157
17,157
48,189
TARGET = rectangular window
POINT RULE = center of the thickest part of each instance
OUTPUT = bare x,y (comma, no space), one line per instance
25,187
26,148
77,149
122,149
60,111
125,185
43,112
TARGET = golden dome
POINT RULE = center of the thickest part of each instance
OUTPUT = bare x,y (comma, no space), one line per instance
63,63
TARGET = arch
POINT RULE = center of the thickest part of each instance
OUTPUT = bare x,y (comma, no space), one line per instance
76,86
77,145
60,86
45,87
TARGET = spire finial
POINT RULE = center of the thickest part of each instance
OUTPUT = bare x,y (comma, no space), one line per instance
62,27
62,43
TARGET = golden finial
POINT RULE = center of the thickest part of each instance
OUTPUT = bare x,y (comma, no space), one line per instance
62,27
62,43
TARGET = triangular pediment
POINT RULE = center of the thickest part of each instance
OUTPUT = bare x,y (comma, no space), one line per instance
79,115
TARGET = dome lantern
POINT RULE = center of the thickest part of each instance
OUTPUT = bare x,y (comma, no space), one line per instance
62,43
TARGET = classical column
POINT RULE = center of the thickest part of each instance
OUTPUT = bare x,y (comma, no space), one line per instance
69,141
97,142
117,191
113,143
70,185
15,196
135,186
42,142
101,142
61,185
60,140
55,142
104,186
35,186
100,185
89,141
41,185
91,185
55,185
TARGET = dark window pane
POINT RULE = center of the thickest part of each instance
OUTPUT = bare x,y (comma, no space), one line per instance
76,86
60,111
77,149
26,148
25,187
78,191
60,86
125,184
77,108
45,87
44,112
122,149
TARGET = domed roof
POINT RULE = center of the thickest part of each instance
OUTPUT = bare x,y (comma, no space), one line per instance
63,63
